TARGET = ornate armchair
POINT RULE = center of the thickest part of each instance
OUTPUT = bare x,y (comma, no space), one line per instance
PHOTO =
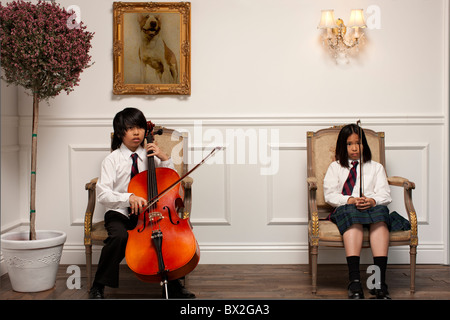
321,232
172,143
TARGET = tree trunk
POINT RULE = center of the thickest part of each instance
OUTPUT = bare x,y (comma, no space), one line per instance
33,167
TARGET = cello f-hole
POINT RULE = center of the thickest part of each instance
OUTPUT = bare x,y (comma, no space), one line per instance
144,222
170,215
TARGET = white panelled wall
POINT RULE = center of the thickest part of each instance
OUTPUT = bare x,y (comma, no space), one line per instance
260,80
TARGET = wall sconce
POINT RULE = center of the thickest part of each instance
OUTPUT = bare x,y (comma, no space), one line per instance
337,39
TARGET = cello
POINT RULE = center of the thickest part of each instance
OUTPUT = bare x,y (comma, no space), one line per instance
162,246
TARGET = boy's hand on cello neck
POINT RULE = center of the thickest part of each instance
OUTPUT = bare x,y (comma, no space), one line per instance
156,151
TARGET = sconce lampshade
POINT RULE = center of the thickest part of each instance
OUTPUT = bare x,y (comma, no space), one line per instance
327,20
357,19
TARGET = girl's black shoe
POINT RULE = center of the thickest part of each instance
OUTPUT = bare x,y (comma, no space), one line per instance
381,293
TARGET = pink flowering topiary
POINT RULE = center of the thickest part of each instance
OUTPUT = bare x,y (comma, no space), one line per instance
43,51
39,49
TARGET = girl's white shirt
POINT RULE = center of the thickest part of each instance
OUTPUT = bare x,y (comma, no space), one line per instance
375,184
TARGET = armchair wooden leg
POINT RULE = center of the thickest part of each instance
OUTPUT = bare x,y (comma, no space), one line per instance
412,257
309,258
89,265
313,264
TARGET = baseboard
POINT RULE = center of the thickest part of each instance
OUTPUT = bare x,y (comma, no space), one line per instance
275,254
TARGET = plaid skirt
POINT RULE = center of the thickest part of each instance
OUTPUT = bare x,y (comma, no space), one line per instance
347,215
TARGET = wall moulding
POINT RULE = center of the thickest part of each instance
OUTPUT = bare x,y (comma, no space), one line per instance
273,215
246,120
79,155
423,153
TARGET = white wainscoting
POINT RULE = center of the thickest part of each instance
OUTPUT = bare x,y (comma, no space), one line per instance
240,215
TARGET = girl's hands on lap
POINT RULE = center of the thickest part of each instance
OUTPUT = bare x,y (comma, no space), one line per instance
362,203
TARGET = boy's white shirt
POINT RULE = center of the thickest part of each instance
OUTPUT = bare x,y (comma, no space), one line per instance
112,185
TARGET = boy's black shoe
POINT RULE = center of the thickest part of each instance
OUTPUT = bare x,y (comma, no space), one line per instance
96,292
355,290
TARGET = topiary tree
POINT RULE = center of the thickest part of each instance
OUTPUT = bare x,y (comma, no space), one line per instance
44,51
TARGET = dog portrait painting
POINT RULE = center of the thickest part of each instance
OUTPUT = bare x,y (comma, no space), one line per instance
150,43
152,49
155,56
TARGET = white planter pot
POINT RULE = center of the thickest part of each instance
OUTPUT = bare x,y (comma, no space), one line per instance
32,265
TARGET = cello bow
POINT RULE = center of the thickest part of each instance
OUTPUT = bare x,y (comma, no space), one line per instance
361,186
162,193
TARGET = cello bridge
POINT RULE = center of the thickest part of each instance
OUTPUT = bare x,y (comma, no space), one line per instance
155,216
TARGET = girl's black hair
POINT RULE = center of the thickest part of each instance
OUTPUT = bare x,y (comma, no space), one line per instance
124,120
341,145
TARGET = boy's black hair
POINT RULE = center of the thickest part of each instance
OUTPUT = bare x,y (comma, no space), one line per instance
341,145
124,120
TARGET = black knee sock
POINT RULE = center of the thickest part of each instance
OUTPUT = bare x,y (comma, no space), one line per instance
353,268
381,262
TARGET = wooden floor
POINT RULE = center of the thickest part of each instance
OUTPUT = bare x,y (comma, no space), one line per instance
252,282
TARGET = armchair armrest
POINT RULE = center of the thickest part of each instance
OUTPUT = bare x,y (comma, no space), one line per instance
187,184
408,186
401,182
90,187
313,214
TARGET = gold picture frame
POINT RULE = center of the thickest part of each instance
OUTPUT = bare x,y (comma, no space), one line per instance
152,48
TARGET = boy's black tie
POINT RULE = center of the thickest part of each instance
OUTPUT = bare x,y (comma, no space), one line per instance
134,167
134,171
351,180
